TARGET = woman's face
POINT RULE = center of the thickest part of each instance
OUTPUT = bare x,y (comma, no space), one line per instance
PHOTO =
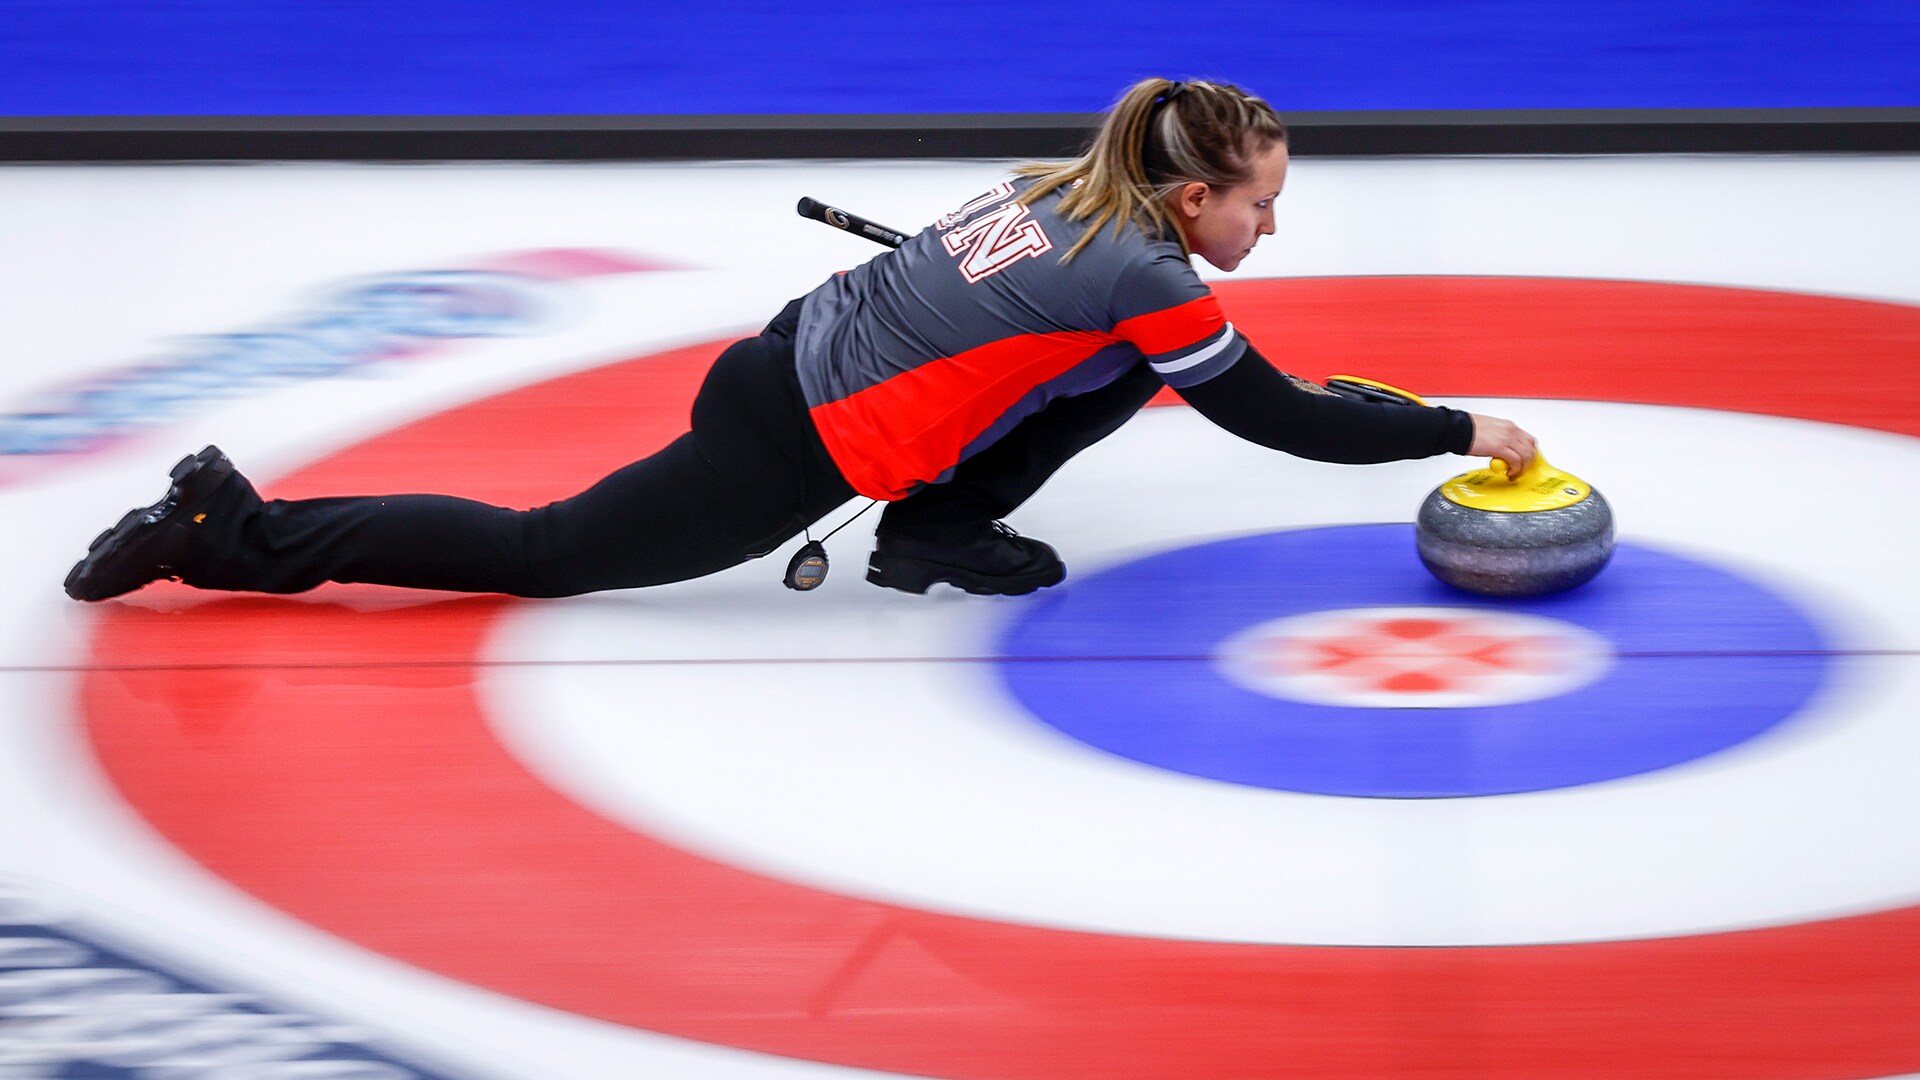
1221,225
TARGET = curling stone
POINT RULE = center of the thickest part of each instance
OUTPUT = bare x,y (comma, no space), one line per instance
1543,531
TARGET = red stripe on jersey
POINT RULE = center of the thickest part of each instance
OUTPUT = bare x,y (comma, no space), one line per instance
911,428
1175,328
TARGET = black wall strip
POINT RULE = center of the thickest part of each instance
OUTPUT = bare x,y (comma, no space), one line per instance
663,138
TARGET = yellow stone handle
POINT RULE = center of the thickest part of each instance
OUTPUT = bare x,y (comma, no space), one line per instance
1542,487
1538,465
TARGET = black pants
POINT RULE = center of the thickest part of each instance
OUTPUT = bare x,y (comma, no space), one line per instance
750,475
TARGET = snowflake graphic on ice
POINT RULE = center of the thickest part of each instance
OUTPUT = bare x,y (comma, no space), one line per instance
1414,657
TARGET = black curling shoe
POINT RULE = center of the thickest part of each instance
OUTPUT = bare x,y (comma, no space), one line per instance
149,542
987,560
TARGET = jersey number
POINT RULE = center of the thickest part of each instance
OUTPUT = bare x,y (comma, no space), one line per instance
992,242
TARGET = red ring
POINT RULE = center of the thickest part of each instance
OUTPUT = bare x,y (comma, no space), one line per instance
334,761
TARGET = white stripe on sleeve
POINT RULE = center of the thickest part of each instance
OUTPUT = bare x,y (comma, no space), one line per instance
1199,356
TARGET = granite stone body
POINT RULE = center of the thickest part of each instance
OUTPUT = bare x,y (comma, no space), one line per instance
1514,553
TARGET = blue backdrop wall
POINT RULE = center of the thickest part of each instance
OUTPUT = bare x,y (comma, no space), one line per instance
411,57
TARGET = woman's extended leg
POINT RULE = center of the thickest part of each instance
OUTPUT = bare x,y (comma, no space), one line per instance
749,475
669,517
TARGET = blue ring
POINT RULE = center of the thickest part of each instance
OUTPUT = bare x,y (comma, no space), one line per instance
1123,661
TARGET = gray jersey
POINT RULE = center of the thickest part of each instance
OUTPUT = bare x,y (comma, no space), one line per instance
929,353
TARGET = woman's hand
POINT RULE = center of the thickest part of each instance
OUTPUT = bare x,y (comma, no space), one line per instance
1503,439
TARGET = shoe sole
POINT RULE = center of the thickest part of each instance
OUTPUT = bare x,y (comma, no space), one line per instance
918,575
112,544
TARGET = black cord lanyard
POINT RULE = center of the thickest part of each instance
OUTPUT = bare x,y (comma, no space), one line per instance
808,567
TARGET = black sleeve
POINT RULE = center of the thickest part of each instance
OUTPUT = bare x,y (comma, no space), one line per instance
1260,404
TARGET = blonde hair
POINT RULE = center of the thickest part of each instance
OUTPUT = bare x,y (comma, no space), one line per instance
1160,136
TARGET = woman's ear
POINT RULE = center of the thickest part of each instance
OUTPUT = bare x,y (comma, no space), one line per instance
1189,198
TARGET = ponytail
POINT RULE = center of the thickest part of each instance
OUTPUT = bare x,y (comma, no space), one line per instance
1160,136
